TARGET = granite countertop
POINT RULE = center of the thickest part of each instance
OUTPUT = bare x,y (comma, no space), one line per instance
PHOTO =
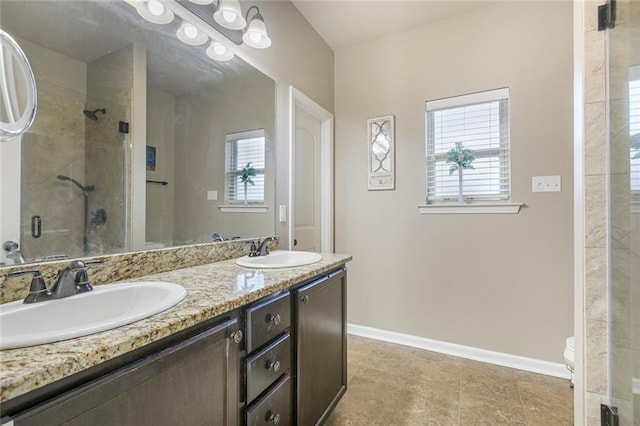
212,290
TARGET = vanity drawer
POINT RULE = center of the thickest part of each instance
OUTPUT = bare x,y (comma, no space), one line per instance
275,408
266,366
267,319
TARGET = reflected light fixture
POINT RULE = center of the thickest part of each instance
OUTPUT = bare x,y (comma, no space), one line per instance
219,52
229,15
189,34
154,11
255,35
204,2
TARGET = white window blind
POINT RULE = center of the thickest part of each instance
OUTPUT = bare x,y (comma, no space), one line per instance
480,122
241,149
634,133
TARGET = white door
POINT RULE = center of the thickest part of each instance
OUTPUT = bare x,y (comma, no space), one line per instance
310,175
306,182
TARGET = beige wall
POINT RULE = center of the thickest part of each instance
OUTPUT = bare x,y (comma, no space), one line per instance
203,121
161,134
497,282
298,57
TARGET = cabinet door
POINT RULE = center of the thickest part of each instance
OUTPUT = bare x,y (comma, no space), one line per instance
194,382
321,347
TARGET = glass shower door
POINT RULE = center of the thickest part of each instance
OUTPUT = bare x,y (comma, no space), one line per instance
74,176
623,97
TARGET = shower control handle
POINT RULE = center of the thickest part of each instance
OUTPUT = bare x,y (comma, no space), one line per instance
36,226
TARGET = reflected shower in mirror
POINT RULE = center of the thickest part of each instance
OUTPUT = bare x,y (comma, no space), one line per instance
112,85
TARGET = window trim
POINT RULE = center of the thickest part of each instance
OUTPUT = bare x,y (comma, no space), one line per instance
431,159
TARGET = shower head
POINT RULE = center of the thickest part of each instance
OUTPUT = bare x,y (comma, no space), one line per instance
83,188
91,115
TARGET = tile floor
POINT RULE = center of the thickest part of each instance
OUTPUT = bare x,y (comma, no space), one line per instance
397,385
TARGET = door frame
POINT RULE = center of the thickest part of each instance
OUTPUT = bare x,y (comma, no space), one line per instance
10,193
298,99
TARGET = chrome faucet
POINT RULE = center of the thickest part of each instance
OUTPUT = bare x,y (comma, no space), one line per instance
261,249
71,280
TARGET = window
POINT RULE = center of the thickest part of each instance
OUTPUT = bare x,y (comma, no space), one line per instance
241,150
479,122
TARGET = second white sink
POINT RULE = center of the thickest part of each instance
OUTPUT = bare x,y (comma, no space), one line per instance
106,307
280,259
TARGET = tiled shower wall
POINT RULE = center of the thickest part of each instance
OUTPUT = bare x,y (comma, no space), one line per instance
607,221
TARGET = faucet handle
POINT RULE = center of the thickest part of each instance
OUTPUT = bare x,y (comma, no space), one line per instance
253,251
82,279
38,288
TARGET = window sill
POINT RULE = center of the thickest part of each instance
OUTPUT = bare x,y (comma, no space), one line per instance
478,208
251,208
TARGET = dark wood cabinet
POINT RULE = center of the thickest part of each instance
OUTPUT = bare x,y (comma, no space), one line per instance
289,368
321,347
194,382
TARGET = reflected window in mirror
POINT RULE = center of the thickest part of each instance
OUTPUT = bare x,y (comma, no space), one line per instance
244,167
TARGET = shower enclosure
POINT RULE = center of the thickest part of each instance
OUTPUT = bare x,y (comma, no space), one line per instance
73,182
622,45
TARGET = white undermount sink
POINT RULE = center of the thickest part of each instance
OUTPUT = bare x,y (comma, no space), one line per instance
280,259
106,307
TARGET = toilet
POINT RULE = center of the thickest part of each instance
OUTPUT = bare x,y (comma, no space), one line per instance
569,355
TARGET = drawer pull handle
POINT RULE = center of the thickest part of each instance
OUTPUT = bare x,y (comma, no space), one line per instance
237,336
274,319
304,299
273,365
273,418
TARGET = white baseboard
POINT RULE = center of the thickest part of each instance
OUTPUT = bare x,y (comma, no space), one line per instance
468,352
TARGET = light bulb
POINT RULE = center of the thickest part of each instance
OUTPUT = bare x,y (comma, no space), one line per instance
219,52
190,31
229,16
190,35
255,36
155,7
219,49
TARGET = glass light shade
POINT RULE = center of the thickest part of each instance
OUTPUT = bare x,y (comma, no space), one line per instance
219,52
154,11
201,1
256,35
188,34
229,15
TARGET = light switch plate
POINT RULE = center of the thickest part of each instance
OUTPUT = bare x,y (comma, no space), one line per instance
283,214
546,184
212,195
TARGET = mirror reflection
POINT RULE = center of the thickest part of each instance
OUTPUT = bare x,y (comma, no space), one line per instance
140,141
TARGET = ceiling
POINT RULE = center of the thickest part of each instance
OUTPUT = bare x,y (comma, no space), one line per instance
344,22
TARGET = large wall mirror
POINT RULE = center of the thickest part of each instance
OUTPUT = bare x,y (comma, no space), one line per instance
68,191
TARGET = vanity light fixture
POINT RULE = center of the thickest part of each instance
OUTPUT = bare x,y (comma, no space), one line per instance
219,52
229,15
154,11
189,34
255,35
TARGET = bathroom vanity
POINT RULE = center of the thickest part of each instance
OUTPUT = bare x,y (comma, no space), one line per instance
253,347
